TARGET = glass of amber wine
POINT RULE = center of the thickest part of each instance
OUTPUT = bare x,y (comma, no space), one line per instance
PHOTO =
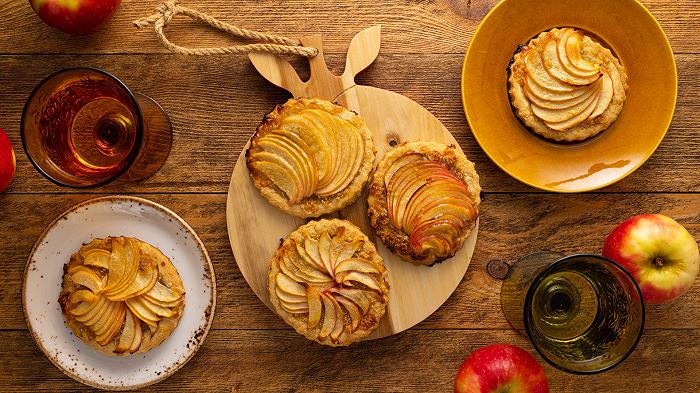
82,128
583,313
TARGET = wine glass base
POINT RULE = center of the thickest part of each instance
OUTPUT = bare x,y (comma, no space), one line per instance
517,281
157,140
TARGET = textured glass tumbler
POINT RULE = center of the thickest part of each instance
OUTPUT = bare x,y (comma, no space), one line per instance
83,127
583,313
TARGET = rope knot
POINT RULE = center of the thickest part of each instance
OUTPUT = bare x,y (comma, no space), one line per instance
168,10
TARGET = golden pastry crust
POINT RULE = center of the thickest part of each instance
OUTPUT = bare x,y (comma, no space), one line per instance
589,127
395,239
167,276
333,282
313,205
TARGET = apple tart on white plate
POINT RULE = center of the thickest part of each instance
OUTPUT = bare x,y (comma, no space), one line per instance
424,201
121,295
565,86
328,282
311,157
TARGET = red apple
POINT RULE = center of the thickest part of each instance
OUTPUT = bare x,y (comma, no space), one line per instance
75,16
659,253
500,368
7,161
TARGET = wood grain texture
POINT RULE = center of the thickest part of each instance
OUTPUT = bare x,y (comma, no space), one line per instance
413,361
512,225
410,26
223,98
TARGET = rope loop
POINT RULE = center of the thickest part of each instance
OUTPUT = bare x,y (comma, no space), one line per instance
268,43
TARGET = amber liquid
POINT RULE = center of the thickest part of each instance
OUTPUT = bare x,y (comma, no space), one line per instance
89,128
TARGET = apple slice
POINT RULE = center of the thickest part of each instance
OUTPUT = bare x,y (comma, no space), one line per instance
399,163
279,145
329,317
105,322
539,75
162,303
604,96
280,173
347,251
550,58
290,286
163,293
532,88
324,250
557,116
576,120
288,297
311,248
352,309
295,308
143,282
95,312
357,296
308,273
138,335
357,265
160,311
572,47
549,101
304,154
316,143
313,299
127,336
82,295
97,257
143,313
577,65
107,336
362,278
132,261
88,278
339,320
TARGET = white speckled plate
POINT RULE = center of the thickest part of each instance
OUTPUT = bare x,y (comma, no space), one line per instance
117,216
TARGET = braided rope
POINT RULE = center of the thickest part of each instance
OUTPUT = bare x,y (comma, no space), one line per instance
165,12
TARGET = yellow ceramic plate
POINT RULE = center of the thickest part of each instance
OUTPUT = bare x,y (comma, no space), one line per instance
638,41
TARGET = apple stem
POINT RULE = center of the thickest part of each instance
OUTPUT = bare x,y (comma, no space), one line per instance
659,262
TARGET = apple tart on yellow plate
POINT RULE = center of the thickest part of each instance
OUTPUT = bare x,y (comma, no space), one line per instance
424,201
329,283
566,86
310,157
121,295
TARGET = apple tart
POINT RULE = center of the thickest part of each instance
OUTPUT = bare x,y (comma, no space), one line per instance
329,283
310,157
566,86
424,201
121,295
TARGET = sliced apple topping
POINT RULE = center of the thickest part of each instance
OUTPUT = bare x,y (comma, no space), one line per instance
565,80
428,202
312,152
121,300
340,290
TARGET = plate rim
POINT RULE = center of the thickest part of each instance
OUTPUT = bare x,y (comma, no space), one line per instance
200,245
544,187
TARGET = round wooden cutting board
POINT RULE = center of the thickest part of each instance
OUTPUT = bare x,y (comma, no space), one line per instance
256,228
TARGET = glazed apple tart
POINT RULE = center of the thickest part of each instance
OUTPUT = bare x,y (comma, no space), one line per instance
566,86
424,201
121,295
311,157
329,283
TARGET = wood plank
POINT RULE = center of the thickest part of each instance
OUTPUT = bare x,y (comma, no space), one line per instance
273,361
435,26
216,103
511,226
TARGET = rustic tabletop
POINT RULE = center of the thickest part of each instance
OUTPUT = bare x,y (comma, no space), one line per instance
216,102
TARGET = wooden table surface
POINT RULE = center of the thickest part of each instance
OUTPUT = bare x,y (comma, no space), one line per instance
216,102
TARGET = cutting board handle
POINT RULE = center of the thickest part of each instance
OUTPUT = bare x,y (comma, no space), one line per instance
363,50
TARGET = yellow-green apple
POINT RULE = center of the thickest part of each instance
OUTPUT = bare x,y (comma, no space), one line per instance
659,253
500,368
75,16
8,161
